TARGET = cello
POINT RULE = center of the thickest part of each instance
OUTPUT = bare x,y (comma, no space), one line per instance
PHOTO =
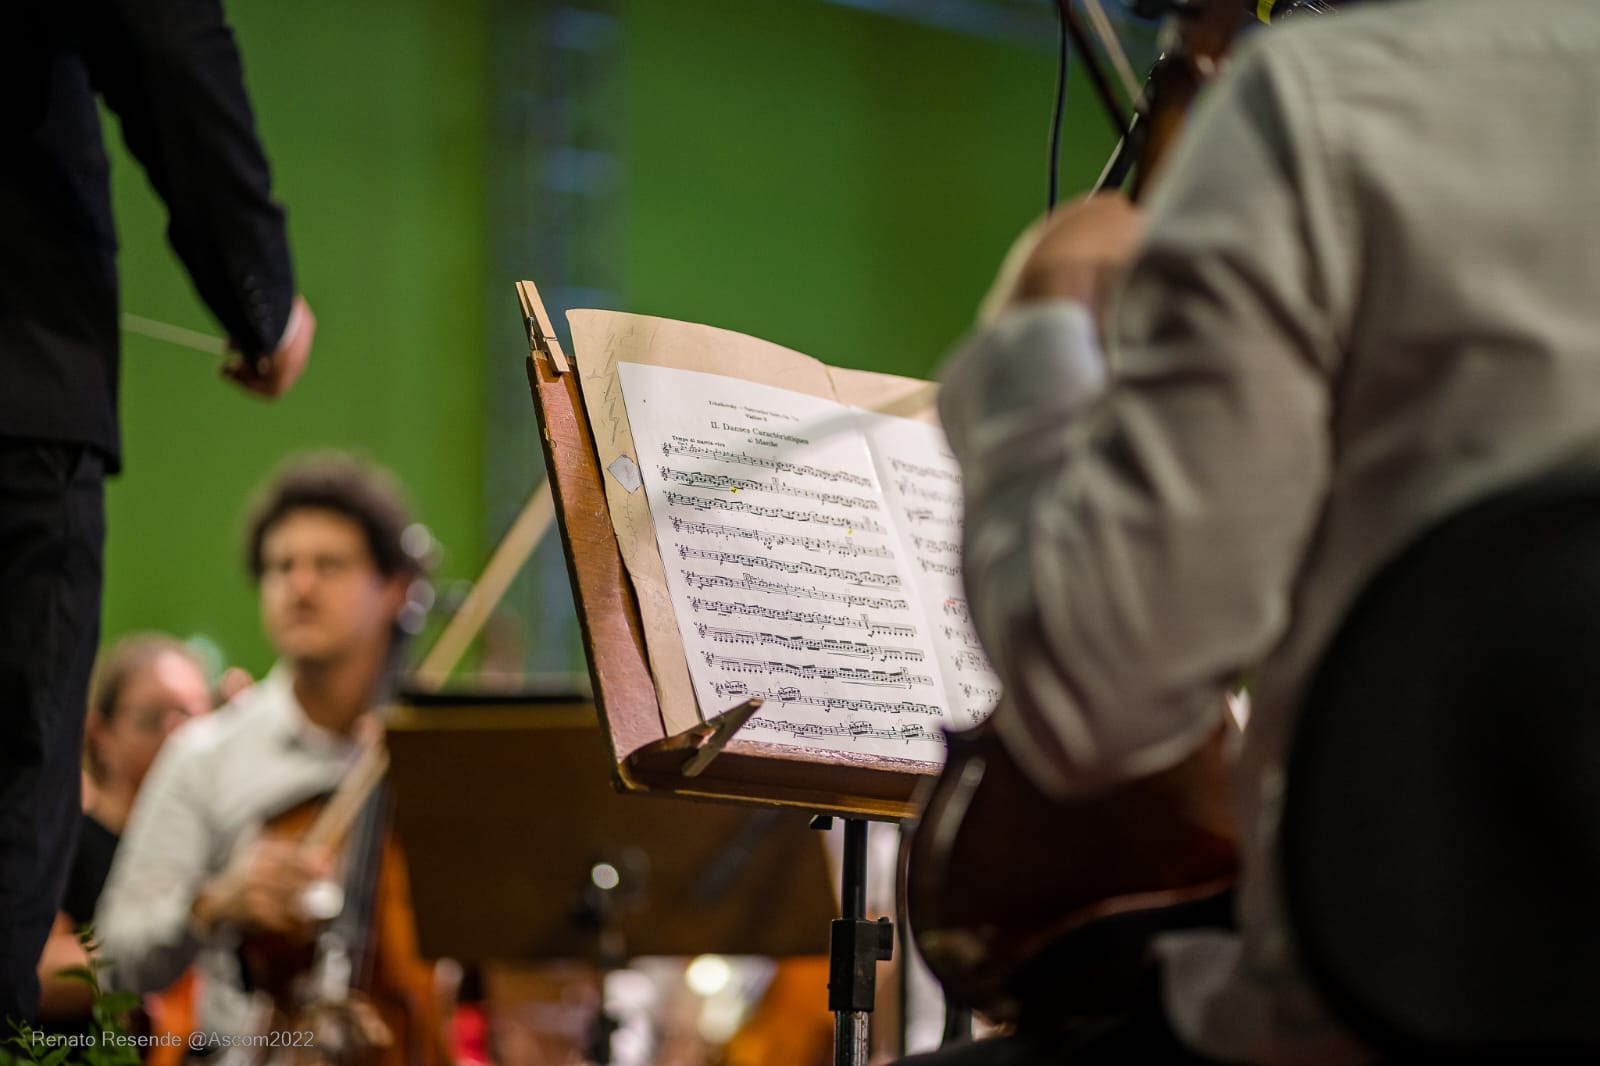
351,987
1061,931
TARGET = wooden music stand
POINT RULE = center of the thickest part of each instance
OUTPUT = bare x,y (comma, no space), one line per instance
706,760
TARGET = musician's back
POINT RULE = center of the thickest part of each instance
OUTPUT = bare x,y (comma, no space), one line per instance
1365,298
1424,242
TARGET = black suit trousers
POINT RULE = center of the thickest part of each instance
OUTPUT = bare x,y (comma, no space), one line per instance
52,531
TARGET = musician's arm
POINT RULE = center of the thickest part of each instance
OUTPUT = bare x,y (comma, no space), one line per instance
1131,542
143,920
171,71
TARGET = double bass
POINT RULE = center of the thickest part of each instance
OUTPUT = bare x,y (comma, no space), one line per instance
1059,927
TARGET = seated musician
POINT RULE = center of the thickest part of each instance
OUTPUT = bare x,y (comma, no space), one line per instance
144,686
1362,298
196,873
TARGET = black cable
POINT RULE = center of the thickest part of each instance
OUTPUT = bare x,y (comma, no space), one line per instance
1060,106
1073,36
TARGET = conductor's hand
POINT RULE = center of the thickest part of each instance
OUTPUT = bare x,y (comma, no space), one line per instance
263,888
1074,253
271,375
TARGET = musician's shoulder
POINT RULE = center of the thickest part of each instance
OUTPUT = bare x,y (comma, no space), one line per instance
246,713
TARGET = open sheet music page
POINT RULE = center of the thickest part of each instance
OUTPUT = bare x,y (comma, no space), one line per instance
792,574
922,487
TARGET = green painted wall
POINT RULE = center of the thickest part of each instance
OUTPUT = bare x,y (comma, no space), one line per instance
833,180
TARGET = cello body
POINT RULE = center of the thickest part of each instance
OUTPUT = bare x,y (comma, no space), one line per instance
370,1002
1028,906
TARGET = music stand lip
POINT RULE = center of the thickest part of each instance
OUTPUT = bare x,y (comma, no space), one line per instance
707,740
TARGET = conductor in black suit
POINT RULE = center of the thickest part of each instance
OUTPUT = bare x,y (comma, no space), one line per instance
170,71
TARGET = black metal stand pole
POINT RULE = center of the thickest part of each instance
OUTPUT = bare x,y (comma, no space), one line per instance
855,947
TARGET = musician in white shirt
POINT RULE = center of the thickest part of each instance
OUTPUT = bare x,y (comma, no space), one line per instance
192,875
1361,298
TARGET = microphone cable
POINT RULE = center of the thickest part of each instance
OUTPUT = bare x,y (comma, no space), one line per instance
1059,112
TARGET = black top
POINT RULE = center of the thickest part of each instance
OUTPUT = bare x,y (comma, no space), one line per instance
90,865
170,71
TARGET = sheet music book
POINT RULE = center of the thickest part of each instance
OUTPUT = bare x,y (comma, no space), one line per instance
792,532
812,555
767,579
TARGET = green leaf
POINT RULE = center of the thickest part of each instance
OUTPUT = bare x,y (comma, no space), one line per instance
81,974
55,1057
23,1039
118,1002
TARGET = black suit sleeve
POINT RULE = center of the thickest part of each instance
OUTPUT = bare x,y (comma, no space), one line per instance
171,71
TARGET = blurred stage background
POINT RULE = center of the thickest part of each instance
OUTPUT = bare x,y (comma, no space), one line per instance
838,177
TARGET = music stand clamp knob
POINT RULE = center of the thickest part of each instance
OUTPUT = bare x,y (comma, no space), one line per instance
855,947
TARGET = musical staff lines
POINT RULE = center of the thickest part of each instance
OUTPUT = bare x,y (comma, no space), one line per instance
931,473
911,489
850,675
971,660
922,493
770,539
683,446
927,516
856,729
786,695
849,649
805,618
989,694
751,583
791,571
723,503
776,486
960,635
871,578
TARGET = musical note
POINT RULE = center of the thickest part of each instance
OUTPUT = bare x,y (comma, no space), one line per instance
850,675
775,486
723,503
682,446
960,635
751,583
771,539
971,660
932,566
850,649
936,473
936,544
927,516
834,573
909,732
788,563
909,487
786,614
785,695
